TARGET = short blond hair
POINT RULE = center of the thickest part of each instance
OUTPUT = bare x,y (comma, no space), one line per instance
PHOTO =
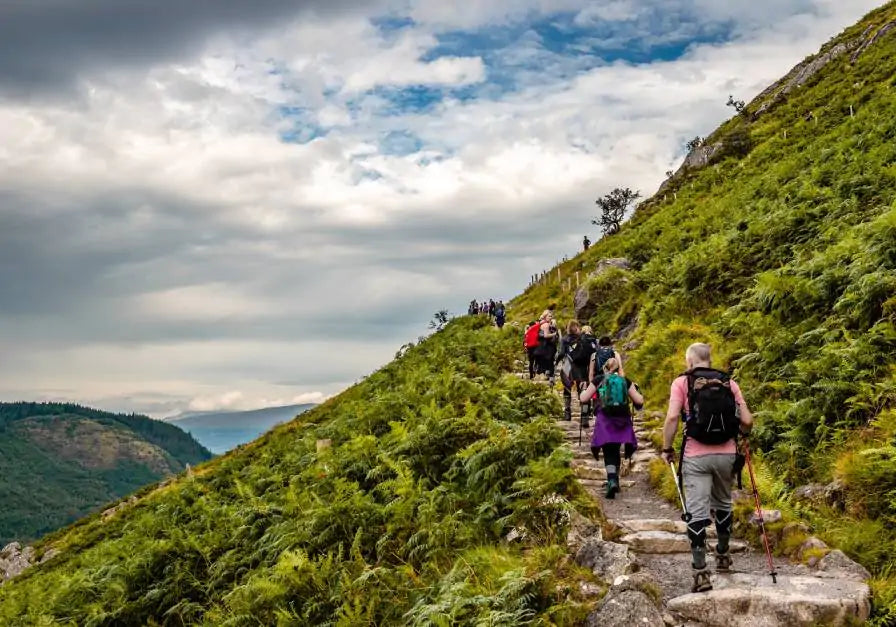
573,328
545,314
699,353
587,330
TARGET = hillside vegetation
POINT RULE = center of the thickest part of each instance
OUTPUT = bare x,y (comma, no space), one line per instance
385,505
782,254
391,503
59,462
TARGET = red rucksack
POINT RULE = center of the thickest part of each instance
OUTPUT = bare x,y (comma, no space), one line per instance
531,340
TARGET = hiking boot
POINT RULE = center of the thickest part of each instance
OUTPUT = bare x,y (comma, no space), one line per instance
702,582
567,414
612,488
723,562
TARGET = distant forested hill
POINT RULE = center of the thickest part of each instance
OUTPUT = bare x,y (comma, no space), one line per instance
223,431
58,462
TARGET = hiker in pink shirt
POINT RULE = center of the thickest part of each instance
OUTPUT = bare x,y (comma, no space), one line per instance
714,413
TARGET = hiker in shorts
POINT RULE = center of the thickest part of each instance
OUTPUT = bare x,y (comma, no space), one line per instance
613,427
548,338
707,470
573,356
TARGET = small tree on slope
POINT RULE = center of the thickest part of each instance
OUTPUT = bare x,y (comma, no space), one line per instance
612,209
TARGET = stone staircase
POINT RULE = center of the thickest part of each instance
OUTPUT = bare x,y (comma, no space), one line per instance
648,566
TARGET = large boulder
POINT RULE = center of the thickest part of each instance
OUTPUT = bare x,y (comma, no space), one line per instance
14,560
632,600
605,290
581,530
749,600
837,564
607,560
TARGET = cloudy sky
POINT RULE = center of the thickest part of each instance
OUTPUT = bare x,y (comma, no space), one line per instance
236,203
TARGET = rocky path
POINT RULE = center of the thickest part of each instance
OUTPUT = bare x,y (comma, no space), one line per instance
648,566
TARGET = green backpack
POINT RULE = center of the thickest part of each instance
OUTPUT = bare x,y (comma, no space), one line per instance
613,393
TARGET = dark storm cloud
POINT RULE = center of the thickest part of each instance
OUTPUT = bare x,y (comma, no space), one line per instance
48,45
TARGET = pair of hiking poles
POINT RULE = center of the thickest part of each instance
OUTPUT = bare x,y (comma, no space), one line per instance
687,517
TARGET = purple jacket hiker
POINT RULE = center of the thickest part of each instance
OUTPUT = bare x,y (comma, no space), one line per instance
613,430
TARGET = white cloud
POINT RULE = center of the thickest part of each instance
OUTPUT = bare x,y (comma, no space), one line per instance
175,250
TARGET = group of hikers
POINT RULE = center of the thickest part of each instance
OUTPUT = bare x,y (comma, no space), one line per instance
706,400
496,310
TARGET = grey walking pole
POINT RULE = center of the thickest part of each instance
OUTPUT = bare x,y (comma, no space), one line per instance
685,515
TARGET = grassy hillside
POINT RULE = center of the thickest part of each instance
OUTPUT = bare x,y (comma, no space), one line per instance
385,505
59,462
782,255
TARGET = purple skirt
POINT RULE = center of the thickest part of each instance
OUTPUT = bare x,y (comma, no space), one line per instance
613,430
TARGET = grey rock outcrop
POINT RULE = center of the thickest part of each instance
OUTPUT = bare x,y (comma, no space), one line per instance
589,297
870,42
803,72
633,600
696,159
607,560
837,563
14,560
581,531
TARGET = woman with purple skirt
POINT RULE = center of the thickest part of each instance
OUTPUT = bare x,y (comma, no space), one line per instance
613,427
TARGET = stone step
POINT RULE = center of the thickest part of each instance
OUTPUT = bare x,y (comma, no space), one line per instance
600,484
658,524
667,542
752,600
584,472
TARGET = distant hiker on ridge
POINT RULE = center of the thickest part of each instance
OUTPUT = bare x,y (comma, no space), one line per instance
613,426
500,314
714,412
586,243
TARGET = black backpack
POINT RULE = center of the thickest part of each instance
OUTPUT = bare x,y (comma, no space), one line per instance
713,410
580,353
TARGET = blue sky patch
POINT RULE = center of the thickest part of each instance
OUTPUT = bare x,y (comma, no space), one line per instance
302,128
400,143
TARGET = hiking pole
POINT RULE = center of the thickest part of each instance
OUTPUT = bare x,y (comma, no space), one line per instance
768,551
685,514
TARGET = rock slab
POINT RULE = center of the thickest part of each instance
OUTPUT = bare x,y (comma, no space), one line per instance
14,560
607,560
749,600
631,602
667,542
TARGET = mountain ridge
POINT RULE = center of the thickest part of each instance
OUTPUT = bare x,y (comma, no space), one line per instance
59,461
222,431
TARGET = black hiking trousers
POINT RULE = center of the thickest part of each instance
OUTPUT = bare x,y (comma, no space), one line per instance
530,352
